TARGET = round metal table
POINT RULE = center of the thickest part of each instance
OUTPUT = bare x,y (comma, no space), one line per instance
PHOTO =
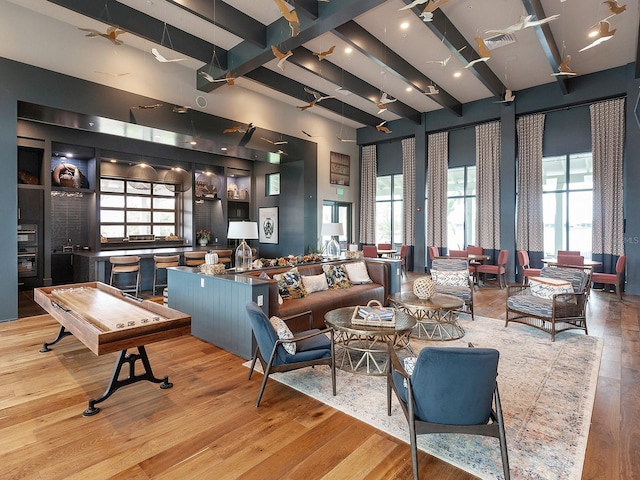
363,348
436,317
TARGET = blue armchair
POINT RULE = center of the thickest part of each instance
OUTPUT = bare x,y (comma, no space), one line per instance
312,348
451,390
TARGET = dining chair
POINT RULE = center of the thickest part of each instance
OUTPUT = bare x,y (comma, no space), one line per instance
434,252
458,253
573,260
473,250
452,390
384,246
370,251
616,279
404,249
568,252
525,269
499,269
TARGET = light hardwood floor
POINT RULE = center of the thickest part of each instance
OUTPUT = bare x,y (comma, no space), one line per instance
207,426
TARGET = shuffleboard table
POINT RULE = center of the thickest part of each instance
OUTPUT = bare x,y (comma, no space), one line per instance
107,320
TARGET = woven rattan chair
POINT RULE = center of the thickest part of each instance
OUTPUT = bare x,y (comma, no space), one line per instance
560,312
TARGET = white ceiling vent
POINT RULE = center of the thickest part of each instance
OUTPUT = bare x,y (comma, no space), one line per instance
500,40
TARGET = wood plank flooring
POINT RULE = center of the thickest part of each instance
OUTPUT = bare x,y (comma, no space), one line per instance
207,425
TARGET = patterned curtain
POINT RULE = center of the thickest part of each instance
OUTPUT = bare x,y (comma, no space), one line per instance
368,196
437,164
408,189
607,143
488,185
529,223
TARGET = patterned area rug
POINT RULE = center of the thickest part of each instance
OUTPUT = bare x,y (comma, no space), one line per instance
547,391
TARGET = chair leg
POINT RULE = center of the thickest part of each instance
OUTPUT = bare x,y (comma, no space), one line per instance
503,438
265,377
414,448
253,363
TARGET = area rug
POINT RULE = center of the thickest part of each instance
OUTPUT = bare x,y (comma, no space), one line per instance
547,391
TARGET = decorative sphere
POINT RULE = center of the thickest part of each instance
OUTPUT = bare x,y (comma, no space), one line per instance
424,287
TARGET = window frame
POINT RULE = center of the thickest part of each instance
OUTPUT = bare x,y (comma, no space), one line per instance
129,192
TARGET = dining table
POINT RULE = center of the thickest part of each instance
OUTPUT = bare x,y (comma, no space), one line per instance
586,264
386,252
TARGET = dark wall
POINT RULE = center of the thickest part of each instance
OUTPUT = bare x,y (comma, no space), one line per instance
72,102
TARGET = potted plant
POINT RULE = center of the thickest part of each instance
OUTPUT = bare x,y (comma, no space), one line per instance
203,237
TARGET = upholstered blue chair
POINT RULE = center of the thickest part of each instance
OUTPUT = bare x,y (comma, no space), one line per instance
313,347
555,307
451,277
451,390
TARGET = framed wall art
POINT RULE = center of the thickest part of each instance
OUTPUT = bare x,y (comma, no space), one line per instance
339,165
268,224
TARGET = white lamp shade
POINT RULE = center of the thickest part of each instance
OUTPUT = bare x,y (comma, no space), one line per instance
331,229
243,230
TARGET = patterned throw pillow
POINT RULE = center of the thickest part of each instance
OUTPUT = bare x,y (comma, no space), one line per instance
290,284
284,333
409,365
264,276
336,276
548,287
450,278
315,283
357,272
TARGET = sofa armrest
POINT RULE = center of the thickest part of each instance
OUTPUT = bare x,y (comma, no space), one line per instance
380,272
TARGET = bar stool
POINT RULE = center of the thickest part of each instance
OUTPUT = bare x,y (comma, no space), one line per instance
163,261
193,259
224,256
125,266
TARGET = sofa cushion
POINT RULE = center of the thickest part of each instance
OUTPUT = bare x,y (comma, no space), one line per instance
290,284
463,293
315,283
336,276
450,278
540,307
357,273
284,333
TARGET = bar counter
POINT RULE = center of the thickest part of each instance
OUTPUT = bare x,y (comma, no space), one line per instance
93,266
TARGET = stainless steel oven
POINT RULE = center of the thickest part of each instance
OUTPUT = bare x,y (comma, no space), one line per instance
27,250
27,262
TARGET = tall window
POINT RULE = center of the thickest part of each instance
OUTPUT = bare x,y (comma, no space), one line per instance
136,208
567,203
389,209
461,207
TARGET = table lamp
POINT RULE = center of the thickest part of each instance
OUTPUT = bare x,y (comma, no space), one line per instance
243,231
332,230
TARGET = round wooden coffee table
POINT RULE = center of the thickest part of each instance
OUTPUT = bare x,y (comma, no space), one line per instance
363,348
436,317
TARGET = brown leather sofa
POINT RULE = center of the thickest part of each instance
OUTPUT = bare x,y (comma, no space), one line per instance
319,303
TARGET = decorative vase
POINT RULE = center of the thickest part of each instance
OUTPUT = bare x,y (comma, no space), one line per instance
424,287
203,242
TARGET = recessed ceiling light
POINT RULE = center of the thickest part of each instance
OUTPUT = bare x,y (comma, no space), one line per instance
457,74
69,155
224,149
408,89
348,50
593,33
113,161
404,25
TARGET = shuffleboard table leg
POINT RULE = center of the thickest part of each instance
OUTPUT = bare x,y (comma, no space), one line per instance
129,359
61,334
